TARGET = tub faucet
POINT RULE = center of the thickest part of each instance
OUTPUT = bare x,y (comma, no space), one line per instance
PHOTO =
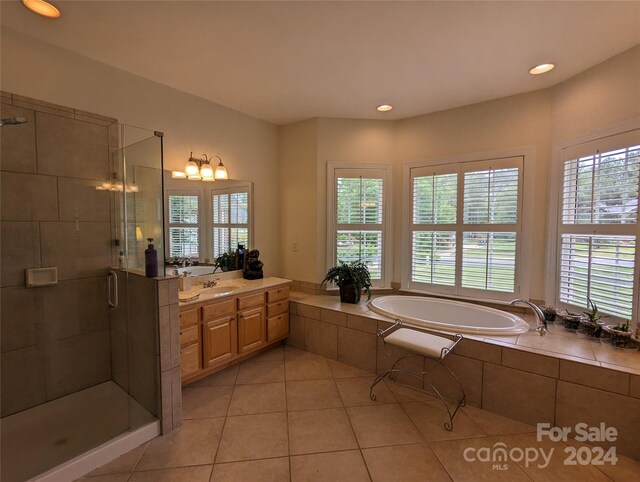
541,323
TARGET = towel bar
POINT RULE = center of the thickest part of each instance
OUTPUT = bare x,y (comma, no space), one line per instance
421,342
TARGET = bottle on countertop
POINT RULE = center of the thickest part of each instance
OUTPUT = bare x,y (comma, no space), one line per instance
151,260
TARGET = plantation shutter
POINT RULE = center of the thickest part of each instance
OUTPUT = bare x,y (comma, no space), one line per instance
183,225
491,210
230,220
360,218
598,228
434,209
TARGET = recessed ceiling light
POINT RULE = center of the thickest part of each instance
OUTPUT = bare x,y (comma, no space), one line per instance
541,69
42,8
384,108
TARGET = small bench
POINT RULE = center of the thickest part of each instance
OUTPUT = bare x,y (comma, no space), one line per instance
434,346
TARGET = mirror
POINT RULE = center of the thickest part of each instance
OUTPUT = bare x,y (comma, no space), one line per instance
205,221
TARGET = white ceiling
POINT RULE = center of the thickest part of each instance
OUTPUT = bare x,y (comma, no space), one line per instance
287,61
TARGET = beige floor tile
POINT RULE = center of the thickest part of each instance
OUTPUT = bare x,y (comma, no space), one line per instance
293,353
224,377
200,473
123,464
355,392
250,437
329,467
105,478
324,430
404,463
404,393
260,372
382,425
273,354
258,398
340,370
194,443
451,454
493,424
267,470
306,368
623,470
203,402
556,470
310,394
430,418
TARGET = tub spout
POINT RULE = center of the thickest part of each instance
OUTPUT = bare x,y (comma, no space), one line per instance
541,323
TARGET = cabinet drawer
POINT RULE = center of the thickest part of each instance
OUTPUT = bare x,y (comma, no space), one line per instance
277,294
219,310
189,317
250,301
189,335
278,308
189,360
277,327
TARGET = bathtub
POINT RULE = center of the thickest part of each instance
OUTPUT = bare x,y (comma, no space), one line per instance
447,315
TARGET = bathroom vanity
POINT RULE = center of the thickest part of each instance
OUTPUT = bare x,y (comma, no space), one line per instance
218,330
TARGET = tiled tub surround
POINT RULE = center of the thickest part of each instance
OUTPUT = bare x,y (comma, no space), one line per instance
562,378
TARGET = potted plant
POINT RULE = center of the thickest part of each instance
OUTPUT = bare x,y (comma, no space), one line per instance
226,261
549,313
619,334
591,325
351,278
571,321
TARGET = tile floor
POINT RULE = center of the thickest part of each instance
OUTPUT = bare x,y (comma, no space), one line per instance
291,415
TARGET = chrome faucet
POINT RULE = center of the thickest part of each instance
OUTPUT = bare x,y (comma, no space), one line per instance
541,323
211,283
186,262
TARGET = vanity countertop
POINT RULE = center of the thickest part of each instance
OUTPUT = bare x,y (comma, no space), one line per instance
246,287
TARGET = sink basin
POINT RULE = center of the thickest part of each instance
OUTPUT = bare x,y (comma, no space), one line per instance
219,290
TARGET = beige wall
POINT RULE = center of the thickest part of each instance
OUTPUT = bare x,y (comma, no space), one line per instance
248,146
298,207
598,99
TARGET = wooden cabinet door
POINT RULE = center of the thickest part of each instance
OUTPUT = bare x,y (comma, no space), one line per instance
277,327
189,360
251,329
220,342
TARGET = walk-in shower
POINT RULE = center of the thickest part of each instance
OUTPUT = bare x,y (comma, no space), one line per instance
77,374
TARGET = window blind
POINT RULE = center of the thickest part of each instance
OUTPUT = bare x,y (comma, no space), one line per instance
359,221
489,261
599,210
183,225
230,221
491,196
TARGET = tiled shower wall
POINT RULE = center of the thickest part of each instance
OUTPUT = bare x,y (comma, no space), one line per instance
55,340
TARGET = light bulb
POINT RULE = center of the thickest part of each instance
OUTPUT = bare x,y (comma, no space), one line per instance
206,171
221,171
191,169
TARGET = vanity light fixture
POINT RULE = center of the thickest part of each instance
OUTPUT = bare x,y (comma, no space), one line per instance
384,108
42,8
541,68
201,170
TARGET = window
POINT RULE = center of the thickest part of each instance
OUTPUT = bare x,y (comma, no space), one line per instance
230,220
357,214
184,231
465,227
598,225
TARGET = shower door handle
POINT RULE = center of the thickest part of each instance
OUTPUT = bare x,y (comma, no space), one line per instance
112,289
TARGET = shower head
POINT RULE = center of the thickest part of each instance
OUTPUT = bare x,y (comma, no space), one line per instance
12,121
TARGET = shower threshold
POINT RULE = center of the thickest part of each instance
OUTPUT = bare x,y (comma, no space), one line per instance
44,437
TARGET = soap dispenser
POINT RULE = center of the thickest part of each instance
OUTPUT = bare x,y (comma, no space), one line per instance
151,260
